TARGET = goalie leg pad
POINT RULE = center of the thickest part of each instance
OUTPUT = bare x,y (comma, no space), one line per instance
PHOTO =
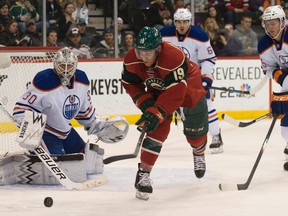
94,159
30,170
7,172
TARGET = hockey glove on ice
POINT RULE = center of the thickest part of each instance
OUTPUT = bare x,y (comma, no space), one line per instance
153,116
279,104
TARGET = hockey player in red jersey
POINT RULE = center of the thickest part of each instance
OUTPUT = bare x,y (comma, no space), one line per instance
160,79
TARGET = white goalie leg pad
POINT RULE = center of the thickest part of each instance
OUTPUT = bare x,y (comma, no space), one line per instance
7,172
94,159
30,170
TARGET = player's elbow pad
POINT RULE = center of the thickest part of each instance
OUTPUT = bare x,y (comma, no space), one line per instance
279,76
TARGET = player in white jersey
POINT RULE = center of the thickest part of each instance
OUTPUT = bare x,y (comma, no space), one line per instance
273,52
196,44
61,93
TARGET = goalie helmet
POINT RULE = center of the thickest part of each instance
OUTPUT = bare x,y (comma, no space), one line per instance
274,12
65,65
183,14
149,38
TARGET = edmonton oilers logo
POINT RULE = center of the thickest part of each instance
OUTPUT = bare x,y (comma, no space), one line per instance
71,107
186,51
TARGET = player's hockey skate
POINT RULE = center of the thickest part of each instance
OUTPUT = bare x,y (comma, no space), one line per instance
217,144
199,165
143,184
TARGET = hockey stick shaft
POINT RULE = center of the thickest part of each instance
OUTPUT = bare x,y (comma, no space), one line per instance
53,167
250,92
128,156
237,123
245,186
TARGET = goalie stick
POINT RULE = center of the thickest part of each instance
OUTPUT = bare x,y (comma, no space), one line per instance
237,123
244,186
57,172
250,92
128,156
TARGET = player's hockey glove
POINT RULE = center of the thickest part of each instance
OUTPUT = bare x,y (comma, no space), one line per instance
144,101
153,116
279,76
207,83
279,104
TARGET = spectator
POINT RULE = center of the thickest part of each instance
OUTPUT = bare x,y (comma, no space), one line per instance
246,36
52,37
105,49
4,15
220,4
212,29
53,12
11,36
159,15
201,6
178,4
66,20
74,43
256,7
128,44
214,12
233,7
23,11
86,38
81,11
121,31
231,46
35,38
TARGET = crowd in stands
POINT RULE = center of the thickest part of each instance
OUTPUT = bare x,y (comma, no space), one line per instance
233,26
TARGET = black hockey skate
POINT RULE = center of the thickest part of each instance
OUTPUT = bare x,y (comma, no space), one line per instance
217,144
143,184
199,165
286,150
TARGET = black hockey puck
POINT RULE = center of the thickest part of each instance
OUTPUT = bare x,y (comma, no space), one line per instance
48,202
285,166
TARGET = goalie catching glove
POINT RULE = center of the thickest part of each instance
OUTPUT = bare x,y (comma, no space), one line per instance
279,104
109,131
153,116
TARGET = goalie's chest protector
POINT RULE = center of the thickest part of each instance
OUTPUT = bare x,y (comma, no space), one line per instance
62,103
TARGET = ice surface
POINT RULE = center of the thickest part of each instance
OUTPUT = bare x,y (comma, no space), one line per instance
176,190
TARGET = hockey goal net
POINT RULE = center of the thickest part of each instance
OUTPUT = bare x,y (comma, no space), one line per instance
14,80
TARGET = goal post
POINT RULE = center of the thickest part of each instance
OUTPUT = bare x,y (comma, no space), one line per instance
17,69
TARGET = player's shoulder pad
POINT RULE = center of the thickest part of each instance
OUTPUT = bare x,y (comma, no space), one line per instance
264,43
46,80
171,57
168,31
198,34
81,77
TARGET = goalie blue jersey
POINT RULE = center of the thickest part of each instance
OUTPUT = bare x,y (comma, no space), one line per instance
195,44
60,103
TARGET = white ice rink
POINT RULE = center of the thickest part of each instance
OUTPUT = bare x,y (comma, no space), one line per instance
176,189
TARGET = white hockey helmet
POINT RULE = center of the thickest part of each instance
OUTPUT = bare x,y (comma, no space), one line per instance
65,64
274,12
183,14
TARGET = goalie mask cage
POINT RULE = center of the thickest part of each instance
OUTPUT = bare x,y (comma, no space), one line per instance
14,80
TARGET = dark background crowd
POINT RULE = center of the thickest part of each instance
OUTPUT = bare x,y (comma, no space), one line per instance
87,26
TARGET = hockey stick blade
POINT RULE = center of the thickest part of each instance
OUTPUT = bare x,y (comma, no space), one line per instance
250,92
244,186
128,156
237,123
